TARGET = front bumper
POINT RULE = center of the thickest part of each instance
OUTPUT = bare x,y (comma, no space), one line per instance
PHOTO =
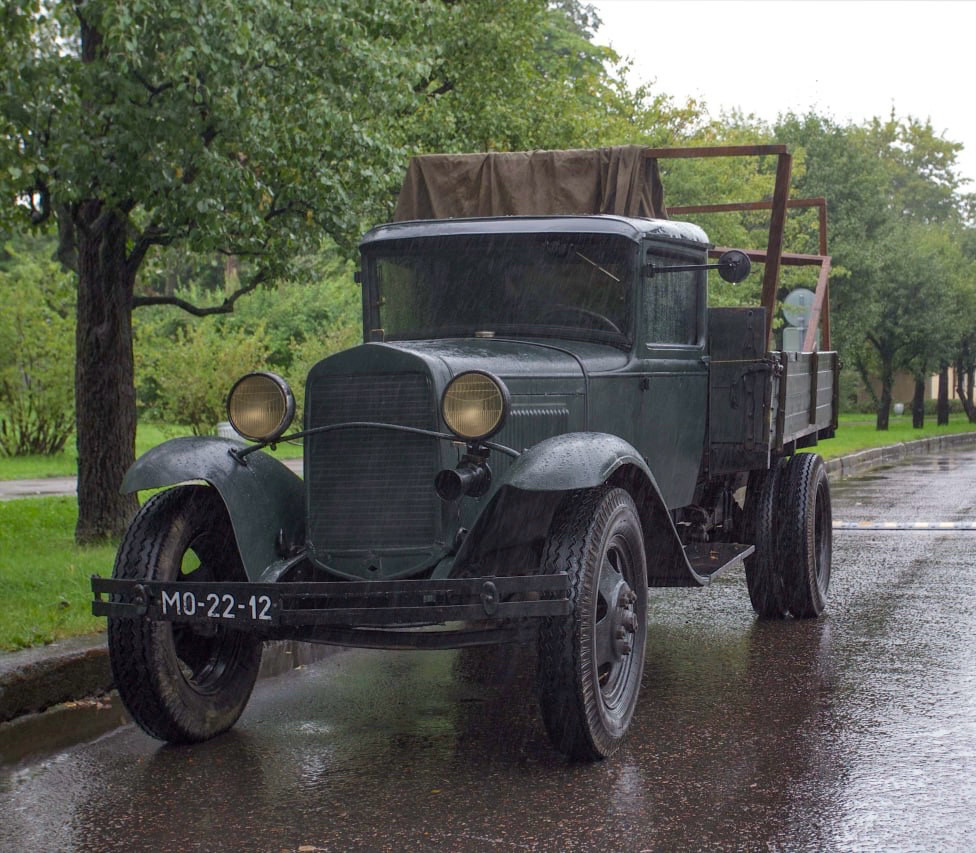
374,614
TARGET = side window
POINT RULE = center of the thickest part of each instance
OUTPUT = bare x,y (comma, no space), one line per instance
671,302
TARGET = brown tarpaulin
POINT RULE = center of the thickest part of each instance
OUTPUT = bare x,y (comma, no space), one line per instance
601,180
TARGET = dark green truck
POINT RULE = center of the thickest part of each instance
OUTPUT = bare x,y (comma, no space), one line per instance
545,420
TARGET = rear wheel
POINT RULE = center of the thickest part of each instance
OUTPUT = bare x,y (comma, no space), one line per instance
764,577
591,662
805,534
182,682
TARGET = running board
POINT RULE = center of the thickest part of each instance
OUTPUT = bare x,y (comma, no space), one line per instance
710,559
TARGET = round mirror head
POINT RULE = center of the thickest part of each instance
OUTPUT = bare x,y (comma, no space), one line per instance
734,266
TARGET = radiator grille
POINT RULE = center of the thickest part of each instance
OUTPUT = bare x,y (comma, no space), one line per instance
371,489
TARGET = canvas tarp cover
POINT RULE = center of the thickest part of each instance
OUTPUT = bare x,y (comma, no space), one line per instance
616,180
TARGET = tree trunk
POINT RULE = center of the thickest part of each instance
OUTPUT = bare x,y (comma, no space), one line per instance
884,403
970,383
942,407
918,404
965,395
104,374
862,370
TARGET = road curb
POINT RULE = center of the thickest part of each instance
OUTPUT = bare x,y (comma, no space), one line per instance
863,461
33,680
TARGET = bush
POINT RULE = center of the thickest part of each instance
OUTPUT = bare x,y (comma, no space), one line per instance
36,350
191,370
321,312
185,365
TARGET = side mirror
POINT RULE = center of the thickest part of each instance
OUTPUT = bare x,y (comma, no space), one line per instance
734,266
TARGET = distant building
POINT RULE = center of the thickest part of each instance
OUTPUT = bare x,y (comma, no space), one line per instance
903,388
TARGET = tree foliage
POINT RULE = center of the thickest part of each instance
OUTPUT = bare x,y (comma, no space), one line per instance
897,231
36,338
240,126
524,74
246,128
922,170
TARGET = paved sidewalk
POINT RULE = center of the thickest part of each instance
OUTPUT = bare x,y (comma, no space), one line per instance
55,486
41,488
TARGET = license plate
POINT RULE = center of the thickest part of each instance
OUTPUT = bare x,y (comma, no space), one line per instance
180,604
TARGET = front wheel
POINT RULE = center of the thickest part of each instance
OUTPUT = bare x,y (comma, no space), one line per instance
182,682
591,662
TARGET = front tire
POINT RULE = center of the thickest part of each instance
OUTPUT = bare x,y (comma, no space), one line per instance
182,683
591,662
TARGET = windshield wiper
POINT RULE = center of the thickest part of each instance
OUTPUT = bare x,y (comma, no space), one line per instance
593,263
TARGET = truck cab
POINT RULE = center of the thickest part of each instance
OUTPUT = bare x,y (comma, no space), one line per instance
564,312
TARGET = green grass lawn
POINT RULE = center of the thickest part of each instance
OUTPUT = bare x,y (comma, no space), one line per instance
44,576
857,432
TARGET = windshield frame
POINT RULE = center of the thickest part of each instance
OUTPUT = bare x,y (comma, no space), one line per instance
629,253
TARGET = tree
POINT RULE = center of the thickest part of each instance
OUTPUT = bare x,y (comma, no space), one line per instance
924,184
837,163
727,180
524,74
251,129
896,232
963,357
931,321
247,128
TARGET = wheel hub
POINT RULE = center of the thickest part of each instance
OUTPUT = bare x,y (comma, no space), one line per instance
623,624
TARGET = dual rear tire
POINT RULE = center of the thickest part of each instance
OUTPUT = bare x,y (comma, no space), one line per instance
788,518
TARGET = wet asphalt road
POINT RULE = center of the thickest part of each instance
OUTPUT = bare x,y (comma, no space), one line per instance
853,732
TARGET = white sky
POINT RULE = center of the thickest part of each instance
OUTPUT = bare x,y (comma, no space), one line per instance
849,59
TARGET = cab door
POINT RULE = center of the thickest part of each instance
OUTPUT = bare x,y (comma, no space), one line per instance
672,368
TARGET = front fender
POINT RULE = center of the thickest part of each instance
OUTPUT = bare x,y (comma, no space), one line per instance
574,460
585,460
264,498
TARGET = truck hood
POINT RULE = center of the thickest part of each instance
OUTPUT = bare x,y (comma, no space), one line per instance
524,364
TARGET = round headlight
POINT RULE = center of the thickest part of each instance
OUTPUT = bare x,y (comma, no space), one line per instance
260,406
474,405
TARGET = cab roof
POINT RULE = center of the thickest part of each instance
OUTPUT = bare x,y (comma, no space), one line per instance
632,228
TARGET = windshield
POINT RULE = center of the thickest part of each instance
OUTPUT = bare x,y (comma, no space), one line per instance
577,286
